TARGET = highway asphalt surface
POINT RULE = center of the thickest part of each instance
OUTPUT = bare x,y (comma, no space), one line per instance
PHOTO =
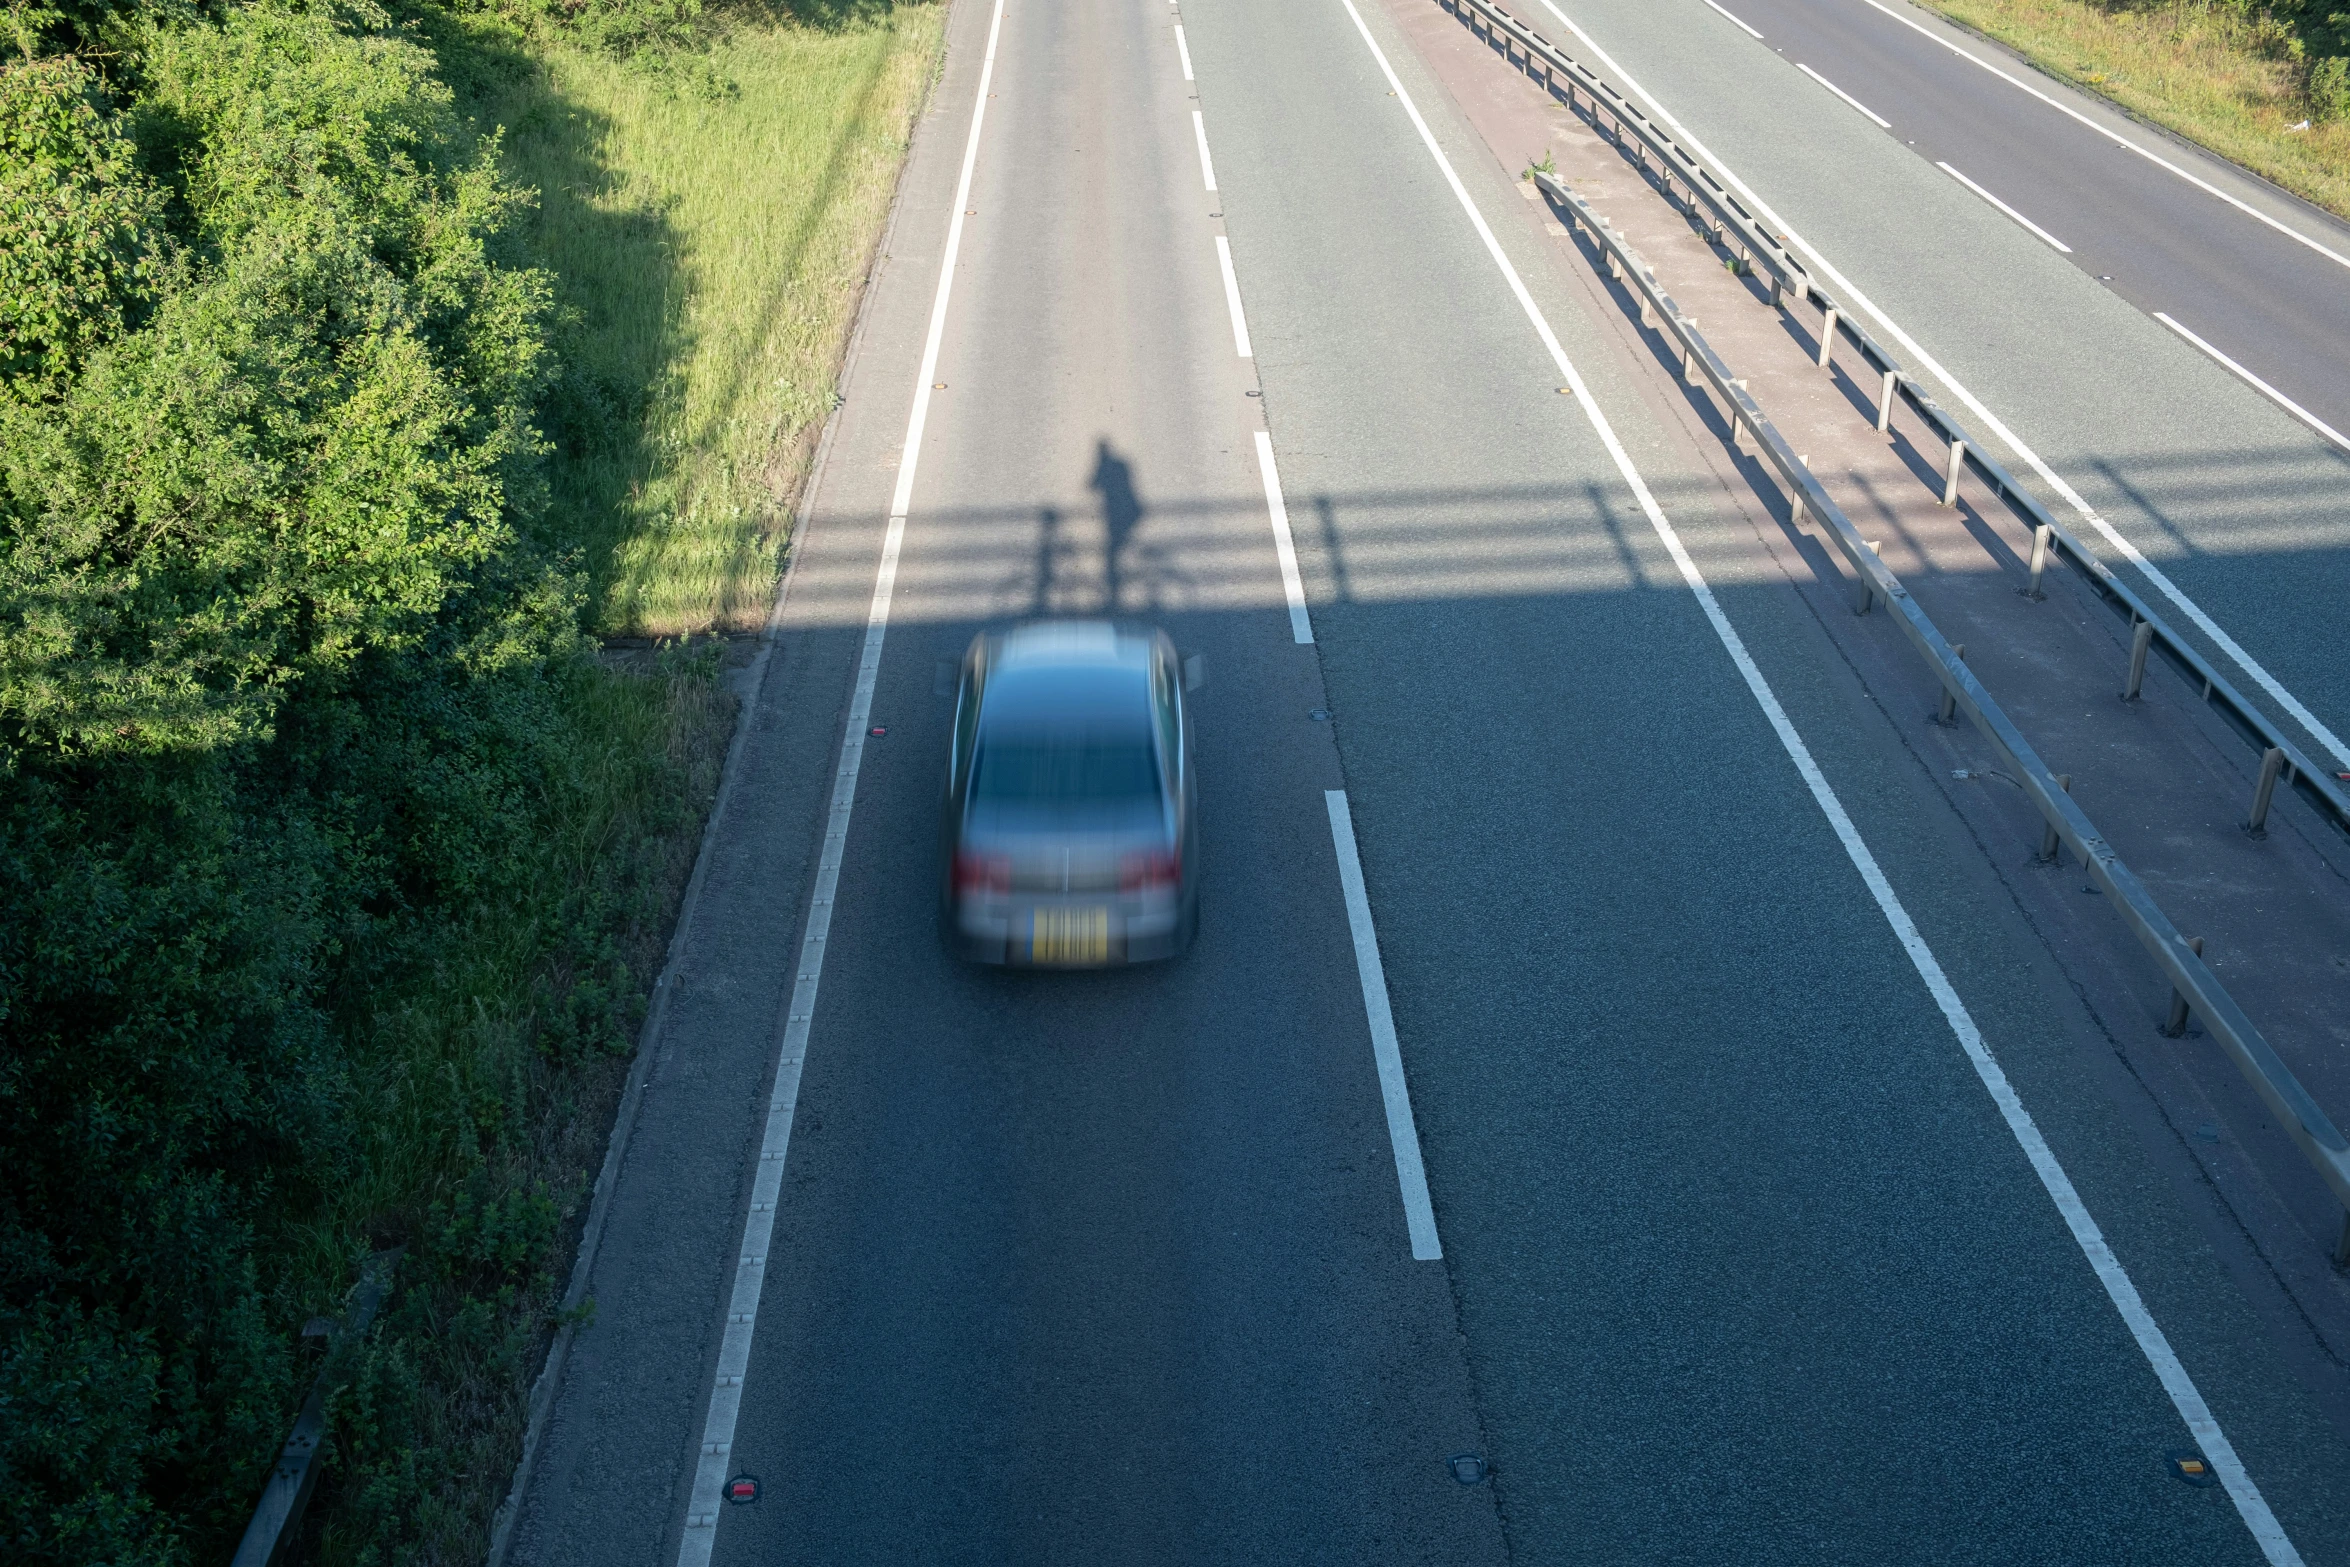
2234,501
1741,1260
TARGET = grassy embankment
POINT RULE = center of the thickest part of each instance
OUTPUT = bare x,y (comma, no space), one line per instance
708,225
707,221
2231,77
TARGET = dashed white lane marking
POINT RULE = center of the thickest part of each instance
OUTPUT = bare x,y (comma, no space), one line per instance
1882,122
2151,1341
1750,32
1418,1213
2043,234
2275,396
1991,421
2108,134
1199,132
742,1313
1300,628
1232,295
1183,51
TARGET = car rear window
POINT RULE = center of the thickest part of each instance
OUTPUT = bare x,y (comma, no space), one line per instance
1065,771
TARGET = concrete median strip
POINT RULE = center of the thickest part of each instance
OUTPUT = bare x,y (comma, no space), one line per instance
2185,1397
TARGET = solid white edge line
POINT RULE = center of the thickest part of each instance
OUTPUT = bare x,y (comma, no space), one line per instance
2044,235
1183,51
1284,549
1232,295
2151,1341
1749,31
2275,396
2108,134
1403,1133
1882,122
742,1316
1199,131
1991,421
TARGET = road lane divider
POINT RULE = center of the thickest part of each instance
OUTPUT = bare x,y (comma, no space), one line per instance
1293,589
2035,229
1683,151
1734,21
1199,133
1850,101
2153,1344
2260,386
1183,51
1676,165
1232,296
1403,1133
715,1459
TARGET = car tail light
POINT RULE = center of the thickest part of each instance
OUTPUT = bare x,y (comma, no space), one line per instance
982,872
1142,872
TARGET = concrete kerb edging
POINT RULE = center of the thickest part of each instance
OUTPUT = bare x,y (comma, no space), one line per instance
2312,1131
1582,90
542,1393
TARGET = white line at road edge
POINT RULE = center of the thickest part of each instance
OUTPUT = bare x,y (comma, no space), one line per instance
1199,130
1232,295
1183,51
2106,132
1750,32
2004,207
1928,363
2275,396
1882,123
1419,1214
1300,628
742,1312
2152,1343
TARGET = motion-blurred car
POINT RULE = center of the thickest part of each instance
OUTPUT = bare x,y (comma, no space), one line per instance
1069,802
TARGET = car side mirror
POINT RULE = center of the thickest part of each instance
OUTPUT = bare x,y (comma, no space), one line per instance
1195,672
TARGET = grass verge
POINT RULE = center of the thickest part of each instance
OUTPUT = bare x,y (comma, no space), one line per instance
2223,76
709,220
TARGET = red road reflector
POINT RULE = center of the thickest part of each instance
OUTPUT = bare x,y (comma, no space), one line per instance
743,1490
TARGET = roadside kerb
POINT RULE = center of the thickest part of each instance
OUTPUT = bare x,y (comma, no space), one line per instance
2177,956
1733,227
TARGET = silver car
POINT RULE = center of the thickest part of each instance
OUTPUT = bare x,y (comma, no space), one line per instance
1069,802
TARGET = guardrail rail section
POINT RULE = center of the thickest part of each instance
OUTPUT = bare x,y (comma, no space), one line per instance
1734,229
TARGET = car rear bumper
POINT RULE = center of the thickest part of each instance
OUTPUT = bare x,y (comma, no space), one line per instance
1062,933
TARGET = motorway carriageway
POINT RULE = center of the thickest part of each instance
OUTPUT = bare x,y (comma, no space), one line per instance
2157,337
1780,1202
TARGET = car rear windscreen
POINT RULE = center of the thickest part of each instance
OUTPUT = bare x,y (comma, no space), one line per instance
1057,772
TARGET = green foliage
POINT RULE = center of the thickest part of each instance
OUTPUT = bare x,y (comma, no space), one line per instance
292,708
77,225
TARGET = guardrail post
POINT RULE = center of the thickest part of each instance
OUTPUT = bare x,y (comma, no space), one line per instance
2176,1023
2040,538
1778,284
2051,844
2272,762
1950,697
1868,590
1885,401
1957,467
1647,312
1827,336
2141,638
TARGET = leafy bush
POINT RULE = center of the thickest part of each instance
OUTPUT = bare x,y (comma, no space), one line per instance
290,704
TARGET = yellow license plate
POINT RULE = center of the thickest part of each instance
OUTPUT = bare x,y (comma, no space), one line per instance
1069,936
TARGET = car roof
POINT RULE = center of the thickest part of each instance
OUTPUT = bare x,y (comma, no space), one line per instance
1057,674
